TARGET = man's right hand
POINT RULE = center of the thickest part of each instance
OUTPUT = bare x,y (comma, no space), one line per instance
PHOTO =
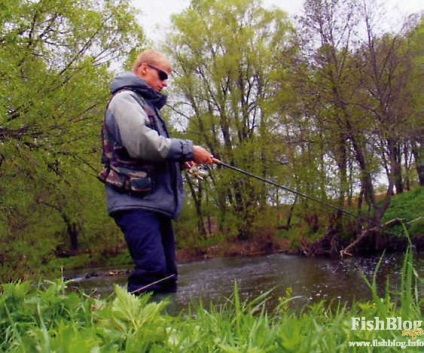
202,156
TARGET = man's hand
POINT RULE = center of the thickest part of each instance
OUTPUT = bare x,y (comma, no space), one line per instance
202,156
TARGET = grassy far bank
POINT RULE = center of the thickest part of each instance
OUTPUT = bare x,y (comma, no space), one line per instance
410,207
45,318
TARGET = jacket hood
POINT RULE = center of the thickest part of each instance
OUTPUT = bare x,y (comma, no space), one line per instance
133,82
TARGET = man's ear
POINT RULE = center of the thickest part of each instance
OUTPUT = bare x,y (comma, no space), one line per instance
141,70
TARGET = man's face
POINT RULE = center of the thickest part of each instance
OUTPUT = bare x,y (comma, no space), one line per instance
156,76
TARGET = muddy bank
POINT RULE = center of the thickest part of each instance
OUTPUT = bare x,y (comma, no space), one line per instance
328,246
236,248
374,243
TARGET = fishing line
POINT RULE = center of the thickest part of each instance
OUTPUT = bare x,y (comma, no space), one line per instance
152,284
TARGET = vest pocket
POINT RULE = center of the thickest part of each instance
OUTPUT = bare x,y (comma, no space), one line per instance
138,182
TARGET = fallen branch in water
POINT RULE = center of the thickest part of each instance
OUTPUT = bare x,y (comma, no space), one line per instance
345,252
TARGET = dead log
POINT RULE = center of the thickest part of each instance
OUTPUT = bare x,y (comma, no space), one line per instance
346,251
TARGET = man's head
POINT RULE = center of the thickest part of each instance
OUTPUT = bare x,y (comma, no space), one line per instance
154,68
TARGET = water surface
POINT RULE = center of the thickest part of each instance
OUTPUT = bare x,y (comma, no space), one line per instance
309,279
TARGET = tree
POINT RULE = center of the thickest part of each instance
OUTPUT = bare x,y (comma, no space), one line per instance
328,42
358,100
361,86
55,60
415,128
228,56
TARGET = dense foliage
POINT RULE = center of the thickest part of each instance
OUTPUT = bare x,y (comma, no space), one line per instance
307,104
331,96
56,59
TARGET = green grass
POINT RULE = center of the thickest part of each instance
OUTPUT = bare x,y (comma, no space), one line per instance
46,318
408,206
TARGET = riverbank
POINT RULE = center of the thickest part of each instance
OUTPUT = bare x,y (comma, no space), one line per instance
324,247
406,213
407,206
232,248
262,245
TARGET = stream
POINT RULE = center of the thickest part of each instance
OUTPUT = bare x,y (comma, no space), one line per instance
311,279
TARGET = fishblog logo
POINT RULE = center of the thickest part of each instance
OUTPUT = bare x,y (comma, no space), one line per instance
389,323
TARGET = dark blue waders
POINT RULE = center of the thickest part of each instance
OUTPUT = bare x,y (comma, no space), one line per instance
151,243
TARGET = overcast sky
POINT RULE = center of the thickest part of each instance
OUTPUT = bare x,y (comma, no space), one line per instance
156,13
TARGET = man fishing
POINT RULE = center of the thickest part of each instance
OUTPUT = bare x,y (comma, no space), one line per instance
142,172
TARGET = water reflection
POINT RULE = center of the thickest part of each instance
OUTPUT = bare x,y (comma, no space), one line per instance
311,279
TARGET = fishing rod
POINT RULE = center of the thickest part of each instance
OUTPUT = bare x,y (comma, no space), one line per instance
152,284
229,166
201,173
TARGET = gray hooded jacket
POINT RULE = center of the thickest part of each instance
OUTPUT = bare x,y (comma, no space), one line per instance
128,120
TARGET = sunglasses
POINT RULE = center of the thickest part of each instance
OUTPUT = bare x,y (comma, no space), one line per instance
161,74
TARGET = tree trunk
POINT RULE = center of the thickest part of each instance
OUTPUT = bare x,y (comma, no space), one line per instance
418,152
197,198
396,168
73,233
